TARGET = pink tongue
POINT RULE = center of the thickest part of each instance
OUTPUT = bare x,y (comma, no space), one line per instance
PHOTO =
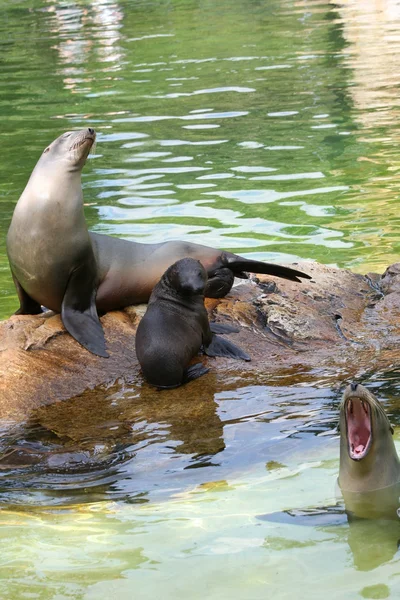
359,448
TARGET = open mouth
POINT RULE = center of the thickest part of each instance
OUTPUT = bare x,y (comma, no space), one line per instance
359,427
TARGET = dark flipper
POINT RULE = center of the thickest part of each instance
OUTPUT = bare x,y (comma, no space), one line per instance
223,328
79,314
219,283
193,372
221,347
27,306
240,265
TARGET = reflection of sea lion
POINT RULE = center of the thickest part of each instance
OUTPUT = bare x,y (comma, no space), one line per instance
369,473
48,244
83,449
176,326
57,263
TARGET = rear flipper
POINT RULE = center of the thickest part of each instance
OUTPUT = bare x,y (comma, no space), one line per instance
219,283
79,314
193,372
223,328
240,265
221,347
27,305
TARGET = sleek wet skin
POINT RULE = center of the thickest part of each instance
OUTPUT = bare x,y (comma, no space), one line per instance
369,472
368,457
57,263
129,270
176,326
49,248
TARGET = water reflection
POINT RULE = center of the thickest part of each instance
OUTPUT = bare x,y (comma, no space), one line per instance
372,33
371,543
132,443
86,33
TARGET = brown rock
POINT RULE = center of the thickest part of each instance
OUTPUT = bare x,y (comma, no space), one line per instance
330,329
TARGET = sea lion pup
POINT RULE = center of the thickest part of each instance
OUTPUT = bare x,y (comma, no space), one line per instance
48,245
176,326
369,472
57,263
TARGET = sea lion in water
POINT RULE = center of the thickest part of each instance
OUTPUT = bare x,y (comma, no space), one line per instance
176,326
57,263
369,478
369,473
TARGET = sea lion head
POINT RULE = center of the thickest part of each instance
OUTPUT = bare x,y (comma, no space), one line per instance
71,148
368,457
187,277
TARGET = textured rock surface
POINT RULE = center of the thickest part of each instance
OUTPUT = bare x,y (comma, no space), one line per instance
333,328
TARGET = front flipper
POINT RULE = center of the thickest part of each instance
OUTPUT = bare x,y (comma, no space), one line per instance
27,305
221,347
219,283
79,313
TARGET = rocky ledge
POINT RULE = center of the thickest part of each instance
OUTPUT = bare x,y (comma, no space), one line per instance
336,327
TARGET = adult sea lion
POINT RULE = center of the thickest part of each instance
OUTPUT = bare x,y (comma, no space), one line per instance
176,326
130,270
369,473
57,263
369,470
369,479
50,252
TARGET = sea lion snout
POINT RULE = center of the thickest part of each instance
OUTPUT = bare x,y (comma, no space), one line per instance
194,287
356,390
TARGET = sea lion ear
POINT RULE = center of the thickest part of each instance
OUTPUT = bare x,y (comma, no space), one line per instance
338,427
47,150
391,429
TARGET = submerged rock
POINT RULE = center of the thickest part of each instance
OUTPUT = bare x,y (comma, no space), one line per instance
335,327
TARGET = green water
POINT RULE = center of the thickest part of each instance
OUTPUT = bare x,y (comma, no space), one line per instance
268,128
